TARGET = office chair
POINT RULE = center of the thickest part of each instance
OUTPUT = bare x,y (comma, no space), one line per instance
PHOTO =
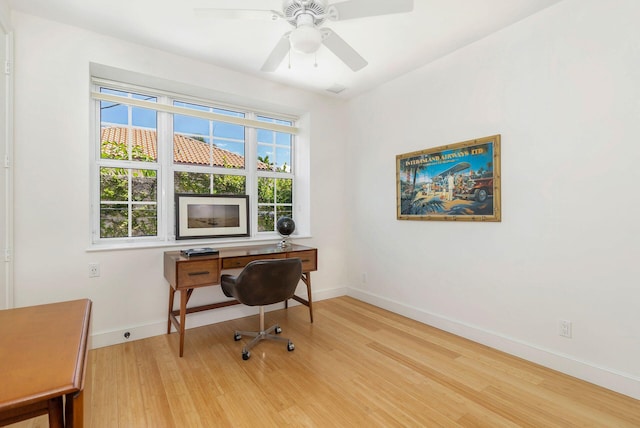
261,283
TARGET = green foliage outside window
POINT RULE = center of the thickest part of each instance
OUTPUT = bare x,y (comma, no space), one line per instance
201,183
275,199
124,189
120,151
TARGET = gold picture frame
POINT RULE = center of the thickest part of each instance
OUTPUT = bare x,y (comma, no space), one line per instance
456,182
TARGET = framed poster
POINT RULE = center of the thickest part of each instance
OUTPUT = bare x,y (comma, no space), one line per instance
457,182
211,216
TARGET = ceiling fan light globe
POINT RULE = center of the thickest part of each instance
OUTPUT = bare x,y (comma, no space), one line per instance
305,39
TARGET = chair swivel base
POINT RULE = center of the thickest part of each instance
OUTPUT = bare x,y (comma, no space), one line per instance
259,336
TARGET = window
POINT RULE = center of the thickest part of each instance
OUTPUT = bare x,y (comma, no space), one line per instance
275,175
153,145
128,168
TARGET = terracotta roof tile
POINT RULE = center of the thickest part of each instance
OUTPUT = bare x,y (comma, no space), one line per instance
186,150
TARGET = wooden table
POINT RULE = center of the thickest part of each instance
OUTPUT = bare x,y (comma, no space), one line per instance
185,274
43,353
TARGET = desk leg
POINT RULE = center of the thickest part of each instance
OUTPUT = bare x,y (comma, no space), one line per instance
306,278
184,296
172,293
56,418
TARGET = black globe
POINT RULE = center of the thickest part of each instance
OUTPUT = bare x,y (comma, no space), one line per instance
285,226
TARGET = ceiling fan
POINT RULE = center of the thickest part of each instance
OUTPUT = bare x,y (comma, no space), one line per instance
307,16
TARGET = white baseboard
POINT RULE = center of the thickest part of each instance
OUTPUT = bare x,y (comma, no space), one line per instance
199,319
623,383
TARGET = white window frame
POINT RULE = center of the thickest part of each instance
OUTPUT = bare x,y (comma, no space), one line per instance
166,168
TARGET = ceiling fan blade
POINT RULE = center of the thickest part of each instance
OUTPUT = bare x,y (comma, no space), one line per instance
277,54
362,8
216,13
342,50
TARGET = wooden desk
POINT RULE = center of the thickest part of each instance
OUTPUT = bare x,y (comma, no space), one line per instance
43,353
185,274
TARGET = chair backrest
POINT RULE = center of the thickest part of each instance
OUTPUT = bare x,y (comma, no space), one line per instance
263,282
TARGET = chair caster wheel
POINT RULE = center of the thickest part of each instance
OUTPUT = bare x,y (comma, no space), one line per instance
246,355
278,330
237,337
290,346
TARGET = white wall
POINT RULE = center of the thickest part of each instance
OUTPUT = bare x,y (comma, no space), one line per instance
6,102
562,88
4,14
52,141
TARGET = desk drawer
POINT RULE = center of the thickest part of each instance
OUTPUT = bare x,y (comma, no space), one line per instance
309,259
238,262
198,272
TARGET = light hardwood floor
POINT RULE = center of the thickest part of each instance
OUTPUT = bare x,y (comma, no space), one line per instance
356,366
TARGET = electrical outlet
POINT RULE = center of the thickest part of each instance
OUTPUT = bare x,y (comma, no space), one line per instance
364,277
565,328
94,270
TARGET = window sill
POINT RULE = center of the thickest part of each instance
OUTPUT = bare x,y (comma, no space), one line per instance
193,243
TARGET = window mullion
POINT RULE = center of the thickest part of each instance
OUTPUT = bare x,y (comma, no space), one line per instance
164,140
130,201
250,166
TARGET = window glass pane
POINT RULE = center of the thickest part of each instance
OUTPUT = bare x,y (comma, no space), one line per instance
283,191
114,184
266,190
144,145
193,136
190,125
276,121
144,220
265,136
283,159
283,139
228,130
114,92
230,153
127,132
275,200
144,184
191,106
143,117
110,148
265,155
115,144
114,222
266,216
228,112
113,113
229,184
121,214
194,182
284,211
274,148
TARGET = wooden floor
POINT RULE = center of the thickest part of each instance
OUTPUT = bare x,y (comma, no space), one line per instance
356,366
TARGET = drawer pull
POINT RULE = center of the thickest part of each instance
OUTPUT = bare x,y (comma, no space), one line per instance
204,272
305,260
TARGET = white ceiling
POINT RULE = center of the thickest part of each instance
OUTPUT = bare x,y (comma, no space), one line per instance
392,44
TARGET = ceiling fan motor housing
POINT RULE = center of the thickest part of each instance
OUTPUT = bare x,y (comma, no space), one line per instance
317,9
305,15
